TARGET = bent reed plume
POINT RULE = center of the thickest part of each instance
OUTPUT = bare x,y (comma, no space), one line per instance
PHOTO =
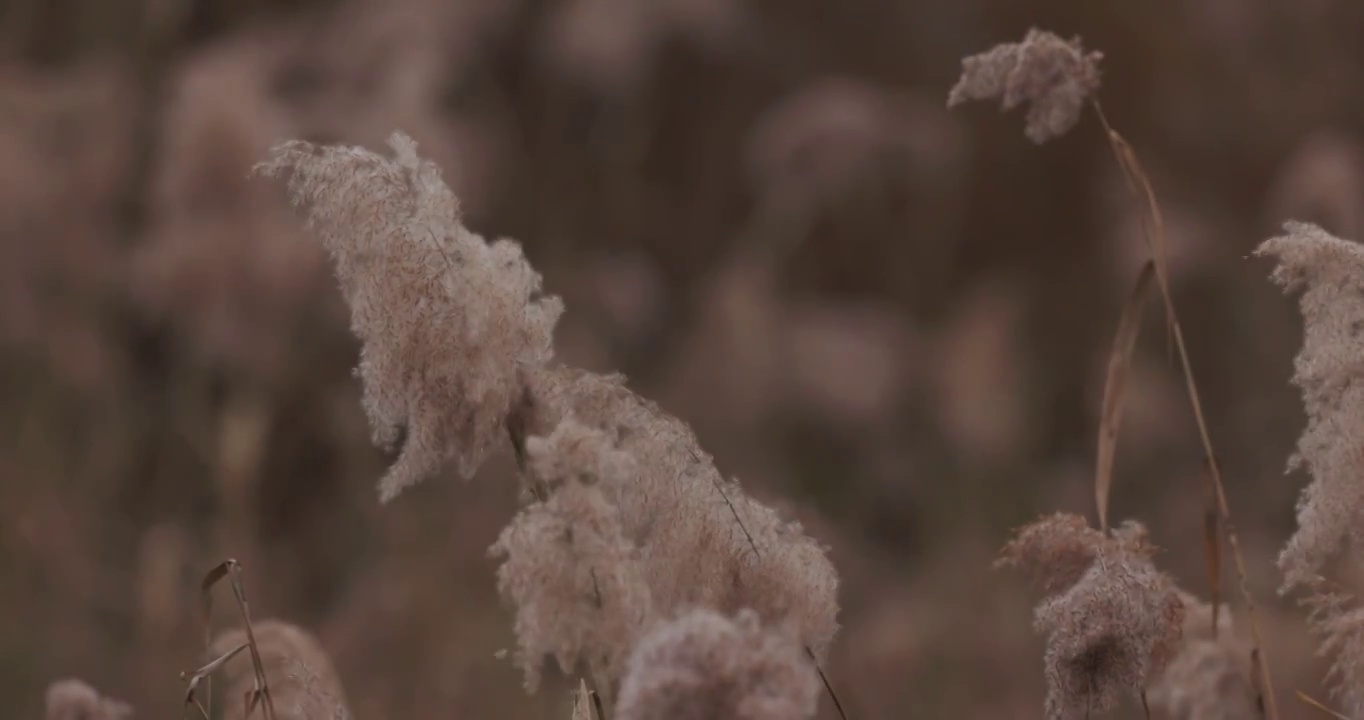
628,524
1327,273
447,319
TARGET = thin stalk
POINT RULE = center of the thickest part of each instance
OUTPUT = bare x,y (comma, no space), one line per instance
1140,184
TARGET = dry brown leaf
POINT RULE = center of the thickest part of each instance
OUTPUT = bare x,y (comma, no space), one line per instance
1140,184
195,678
1154,222
1115,388
231,570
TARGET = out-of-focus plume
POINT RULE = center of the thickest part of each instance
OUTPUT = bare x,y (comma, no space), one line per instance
73,699
303,683
856,175
610,45
224,262
1322,182
821,139
65,138
372,66
1210,678
981,373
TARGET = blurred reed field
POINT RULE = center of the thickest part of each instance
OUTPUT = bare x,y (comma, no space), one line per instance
891,321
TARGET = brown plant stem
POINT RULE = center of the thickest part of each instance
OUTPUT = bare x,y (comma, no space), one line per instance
1140,184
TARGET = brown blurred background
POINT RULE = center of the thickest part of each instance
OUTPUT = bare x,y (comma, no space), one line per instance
888,319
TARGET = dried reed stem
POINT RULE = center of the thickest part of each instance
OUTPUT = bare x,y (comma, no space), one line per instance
1140,184
231,570
1312,702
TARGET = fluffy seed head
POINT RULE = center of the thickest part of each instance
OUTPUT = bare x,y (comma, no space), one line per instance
1338,620
1111,623
1054,76
702,540
574,579
446,318
1210,678
1329,273
704,665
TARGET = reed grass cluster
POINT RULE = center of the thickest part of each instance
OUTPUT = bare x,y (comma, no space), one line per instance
1113,621
633,552
637,567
